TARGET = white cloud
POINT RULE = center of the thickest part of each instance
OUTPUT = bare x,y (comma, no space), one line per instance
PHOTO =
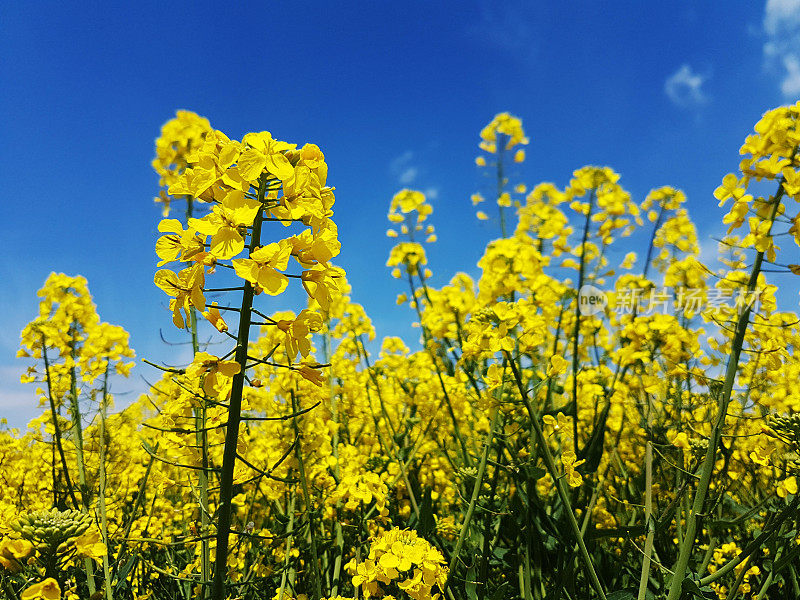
790,86
685,87
403,168
780,15
432,193
401,162
408,175
782,47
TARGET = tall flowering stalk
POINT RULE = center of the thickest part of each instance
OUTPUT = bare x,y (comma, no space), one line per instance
76,350
247,184
773,156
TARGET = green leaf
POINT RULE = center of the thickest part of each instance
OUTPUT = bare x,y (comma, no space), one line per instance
427,524
501,592
122,576
471,585
690,586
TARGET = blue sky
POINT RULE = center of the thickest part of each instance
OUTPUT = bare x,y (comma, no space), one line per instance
394,94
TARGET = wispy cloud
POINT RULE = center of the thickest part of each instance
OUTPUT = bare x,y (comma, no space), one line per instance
404,169
685,87
408,176
782,47
508,26
431,193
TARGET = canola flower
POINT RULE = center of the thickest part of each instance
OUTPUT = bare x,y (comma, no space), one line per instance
524,447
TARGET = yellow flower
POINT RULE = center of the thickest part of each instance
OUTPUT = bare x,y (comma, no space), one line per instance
187,289
263,152
226,222
409,254
13,553
216,373
730,188
263,266
212,316
761,455
89,545
178,244
558,365
322,283
682,441
407,201
503,128
44,590
400,556
787,487
298,331
312,375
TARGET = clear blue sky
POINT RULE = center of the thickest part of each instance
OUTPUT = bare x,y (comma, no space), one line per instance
395,95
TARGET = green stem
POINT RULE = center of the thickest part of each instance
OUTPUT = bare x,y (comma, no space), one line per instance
557,480
648,518
307,500
288,548
577,329
476,489
101,499
338,535
234,419
201,439
716,431
57,427
501,182
448,403
77,423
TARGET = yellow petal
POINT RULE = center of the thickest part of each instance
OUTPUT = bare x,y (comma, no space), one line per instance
251,163
226,243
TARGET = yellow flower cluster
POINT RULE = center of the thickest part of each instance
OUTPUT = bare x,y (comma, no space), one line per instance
309,460
400,558
179,136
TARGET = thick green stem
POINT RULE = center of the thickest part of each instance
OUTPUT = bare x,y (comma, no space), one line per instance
716,431
234,419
